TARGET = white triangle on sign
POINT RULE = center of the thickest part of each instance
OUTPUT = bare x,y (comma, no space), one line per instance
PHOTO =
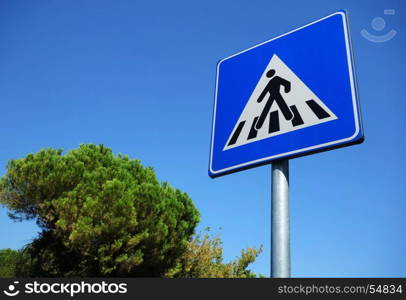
307,108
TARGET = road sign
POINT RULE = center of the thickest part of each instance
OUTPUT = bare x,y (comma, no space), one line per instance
290,96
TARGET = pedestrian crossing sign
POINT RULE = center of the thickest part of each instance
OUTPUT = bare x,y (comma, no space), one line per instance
290,96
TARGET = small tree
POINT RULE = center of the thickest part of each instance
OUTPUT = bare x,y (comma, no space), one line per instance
100,214
204,259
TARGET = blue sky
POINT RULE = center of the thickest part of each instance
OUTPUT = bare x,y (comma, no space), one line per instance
138,76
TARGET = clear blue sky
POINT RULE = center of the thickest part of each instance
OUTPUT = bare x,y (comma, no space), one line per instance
138,76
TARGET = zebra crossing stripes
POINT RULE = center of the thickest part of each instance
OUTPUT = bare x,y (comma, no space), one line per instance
274,122
317,109
274,125
253,132
297,119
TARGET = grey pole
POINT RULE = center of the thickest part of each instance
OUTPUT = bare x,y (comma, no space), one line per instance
280,240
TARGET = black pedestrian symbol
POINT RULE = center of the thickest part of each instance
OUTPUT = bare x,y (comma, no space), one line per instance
273,88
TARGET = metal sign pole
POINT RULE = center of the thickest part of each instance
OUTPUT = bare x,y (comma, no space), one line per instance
280,240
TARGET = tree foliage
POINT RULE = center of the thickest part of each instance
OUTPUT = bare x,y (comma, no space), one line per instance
100,214
106,215
203,258
8,260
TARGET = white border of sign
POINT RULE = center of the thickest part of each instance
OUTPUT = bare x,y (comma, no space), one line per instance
353,93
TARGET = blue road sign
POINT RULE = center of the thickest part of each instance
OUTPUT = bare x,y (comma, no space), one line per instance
290,96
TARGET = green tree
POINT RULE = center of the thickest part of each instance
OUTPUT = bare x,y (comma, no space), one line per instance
203,258
100,214
8,261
